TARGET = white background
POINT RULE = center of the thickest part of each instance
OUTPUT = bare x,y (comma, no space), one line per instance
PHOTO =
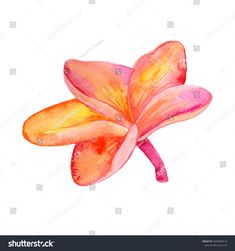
199,197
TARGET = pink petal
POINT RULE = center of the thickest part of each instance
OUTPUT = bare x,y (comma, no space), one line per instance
172,105
155,71
68,122
101,157
100,85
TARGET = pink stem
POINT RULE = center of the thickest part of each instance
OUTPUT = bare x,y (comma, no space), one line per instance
149,150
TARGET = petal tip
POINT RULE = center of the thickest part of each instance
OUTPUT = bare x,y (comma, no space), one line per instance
206,96
26,131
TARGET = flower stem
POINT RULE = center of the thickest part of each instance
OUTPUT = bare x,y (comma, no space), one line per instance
149,150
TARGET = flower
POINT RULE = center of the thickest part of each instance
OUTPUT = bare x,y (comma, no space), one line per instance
117,108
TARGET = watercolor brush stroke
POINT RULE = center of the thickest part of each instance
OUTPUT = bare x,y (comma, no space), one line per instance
115,109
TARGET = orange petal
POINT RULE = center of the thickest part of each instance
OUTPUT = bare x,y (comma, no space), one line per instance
100,85
153,72
172,105
68,123
101,157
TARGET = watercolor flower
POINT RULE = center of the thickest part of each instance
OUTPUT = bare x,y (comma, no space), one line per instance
116,108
